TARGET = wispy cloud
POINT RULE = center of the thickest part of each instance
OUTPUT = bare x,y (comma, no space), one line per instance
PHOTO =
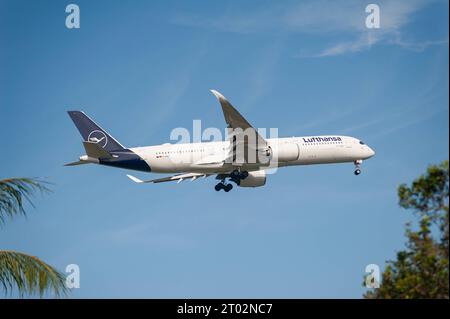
172,88
363,42
341,19
404,124
395,15
418,46
262,74
350,21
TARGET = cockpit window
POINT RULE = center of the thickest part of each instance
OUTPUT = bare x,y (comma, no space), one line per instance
362,143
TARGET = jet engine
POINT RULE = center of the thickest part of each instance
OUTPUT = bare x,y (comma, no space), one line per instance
284,152
254,179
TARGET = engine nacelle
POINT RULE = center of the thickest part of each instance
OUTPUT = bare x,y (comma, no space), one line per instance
254,179
284,152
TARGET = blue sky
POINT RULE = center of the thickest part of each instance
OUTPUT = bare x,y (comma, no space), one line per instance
142,68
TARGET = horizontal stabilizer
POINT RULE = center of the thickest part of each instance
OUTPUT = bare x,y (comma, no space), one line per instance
96,151
77,163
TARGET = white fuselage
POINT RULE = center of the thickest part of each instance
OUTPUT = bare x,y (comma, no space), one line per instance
208,157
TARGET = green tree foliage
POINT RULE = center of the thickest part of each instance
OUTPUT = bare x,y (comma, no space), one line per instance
28,274
14,192
421,270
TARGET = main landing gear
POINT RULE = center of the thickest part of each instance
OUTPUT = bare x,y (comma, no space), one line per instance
358,167
235,176
225,187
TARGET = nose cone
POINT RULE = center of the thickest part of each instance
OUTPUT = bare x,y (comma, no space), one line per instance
370,152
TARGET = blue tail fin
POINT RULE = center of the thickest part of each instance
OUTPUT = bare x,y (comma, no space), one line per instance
91,132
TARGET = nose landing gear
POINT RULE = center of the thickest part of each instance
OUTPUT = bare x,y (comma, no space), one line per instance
358,167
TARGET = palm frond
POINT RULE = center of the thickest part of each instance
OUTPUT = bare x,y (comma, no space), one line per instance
14,192
29,275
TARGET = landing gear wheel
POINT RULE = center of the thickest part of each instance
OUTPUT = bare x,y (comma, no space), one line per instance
235,174
219,186
357,167
244,175
228,188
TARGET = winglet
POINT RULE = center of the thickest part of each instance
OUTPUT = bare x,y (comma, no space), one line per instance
218,95
134,179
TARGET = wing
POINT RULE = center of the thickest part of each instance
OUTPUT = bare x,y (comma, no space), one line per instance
179,178
246,142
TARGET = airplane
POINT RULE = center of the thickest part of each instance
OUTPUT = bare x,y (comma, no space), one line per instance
243,158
